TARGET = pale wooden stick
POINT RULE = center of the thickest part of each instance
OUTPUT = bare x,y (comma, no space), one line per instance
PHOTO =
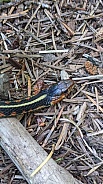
27,155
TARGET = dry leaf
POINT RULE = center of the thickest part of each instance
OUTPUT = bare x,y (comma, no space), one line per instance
82,111
90,68
62,136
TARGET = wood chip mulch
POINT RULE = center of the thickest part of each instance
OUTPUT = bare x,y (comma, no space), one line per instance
53,40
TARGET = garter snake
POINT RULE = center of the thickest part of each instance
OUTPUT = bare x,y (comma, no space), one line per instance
44,98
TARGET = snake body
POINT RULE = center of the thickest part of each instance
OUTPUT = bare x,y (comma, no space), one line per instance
44,98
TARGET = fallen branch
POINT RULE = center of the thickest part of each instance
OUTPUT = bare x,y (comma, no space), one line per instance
27,155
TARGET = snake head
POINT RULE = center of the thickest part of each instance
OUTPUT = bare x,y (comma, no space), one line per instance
59,90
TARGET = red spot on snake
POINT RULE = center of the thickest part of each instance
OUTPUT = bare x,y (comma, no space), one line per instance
13,114
1,114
